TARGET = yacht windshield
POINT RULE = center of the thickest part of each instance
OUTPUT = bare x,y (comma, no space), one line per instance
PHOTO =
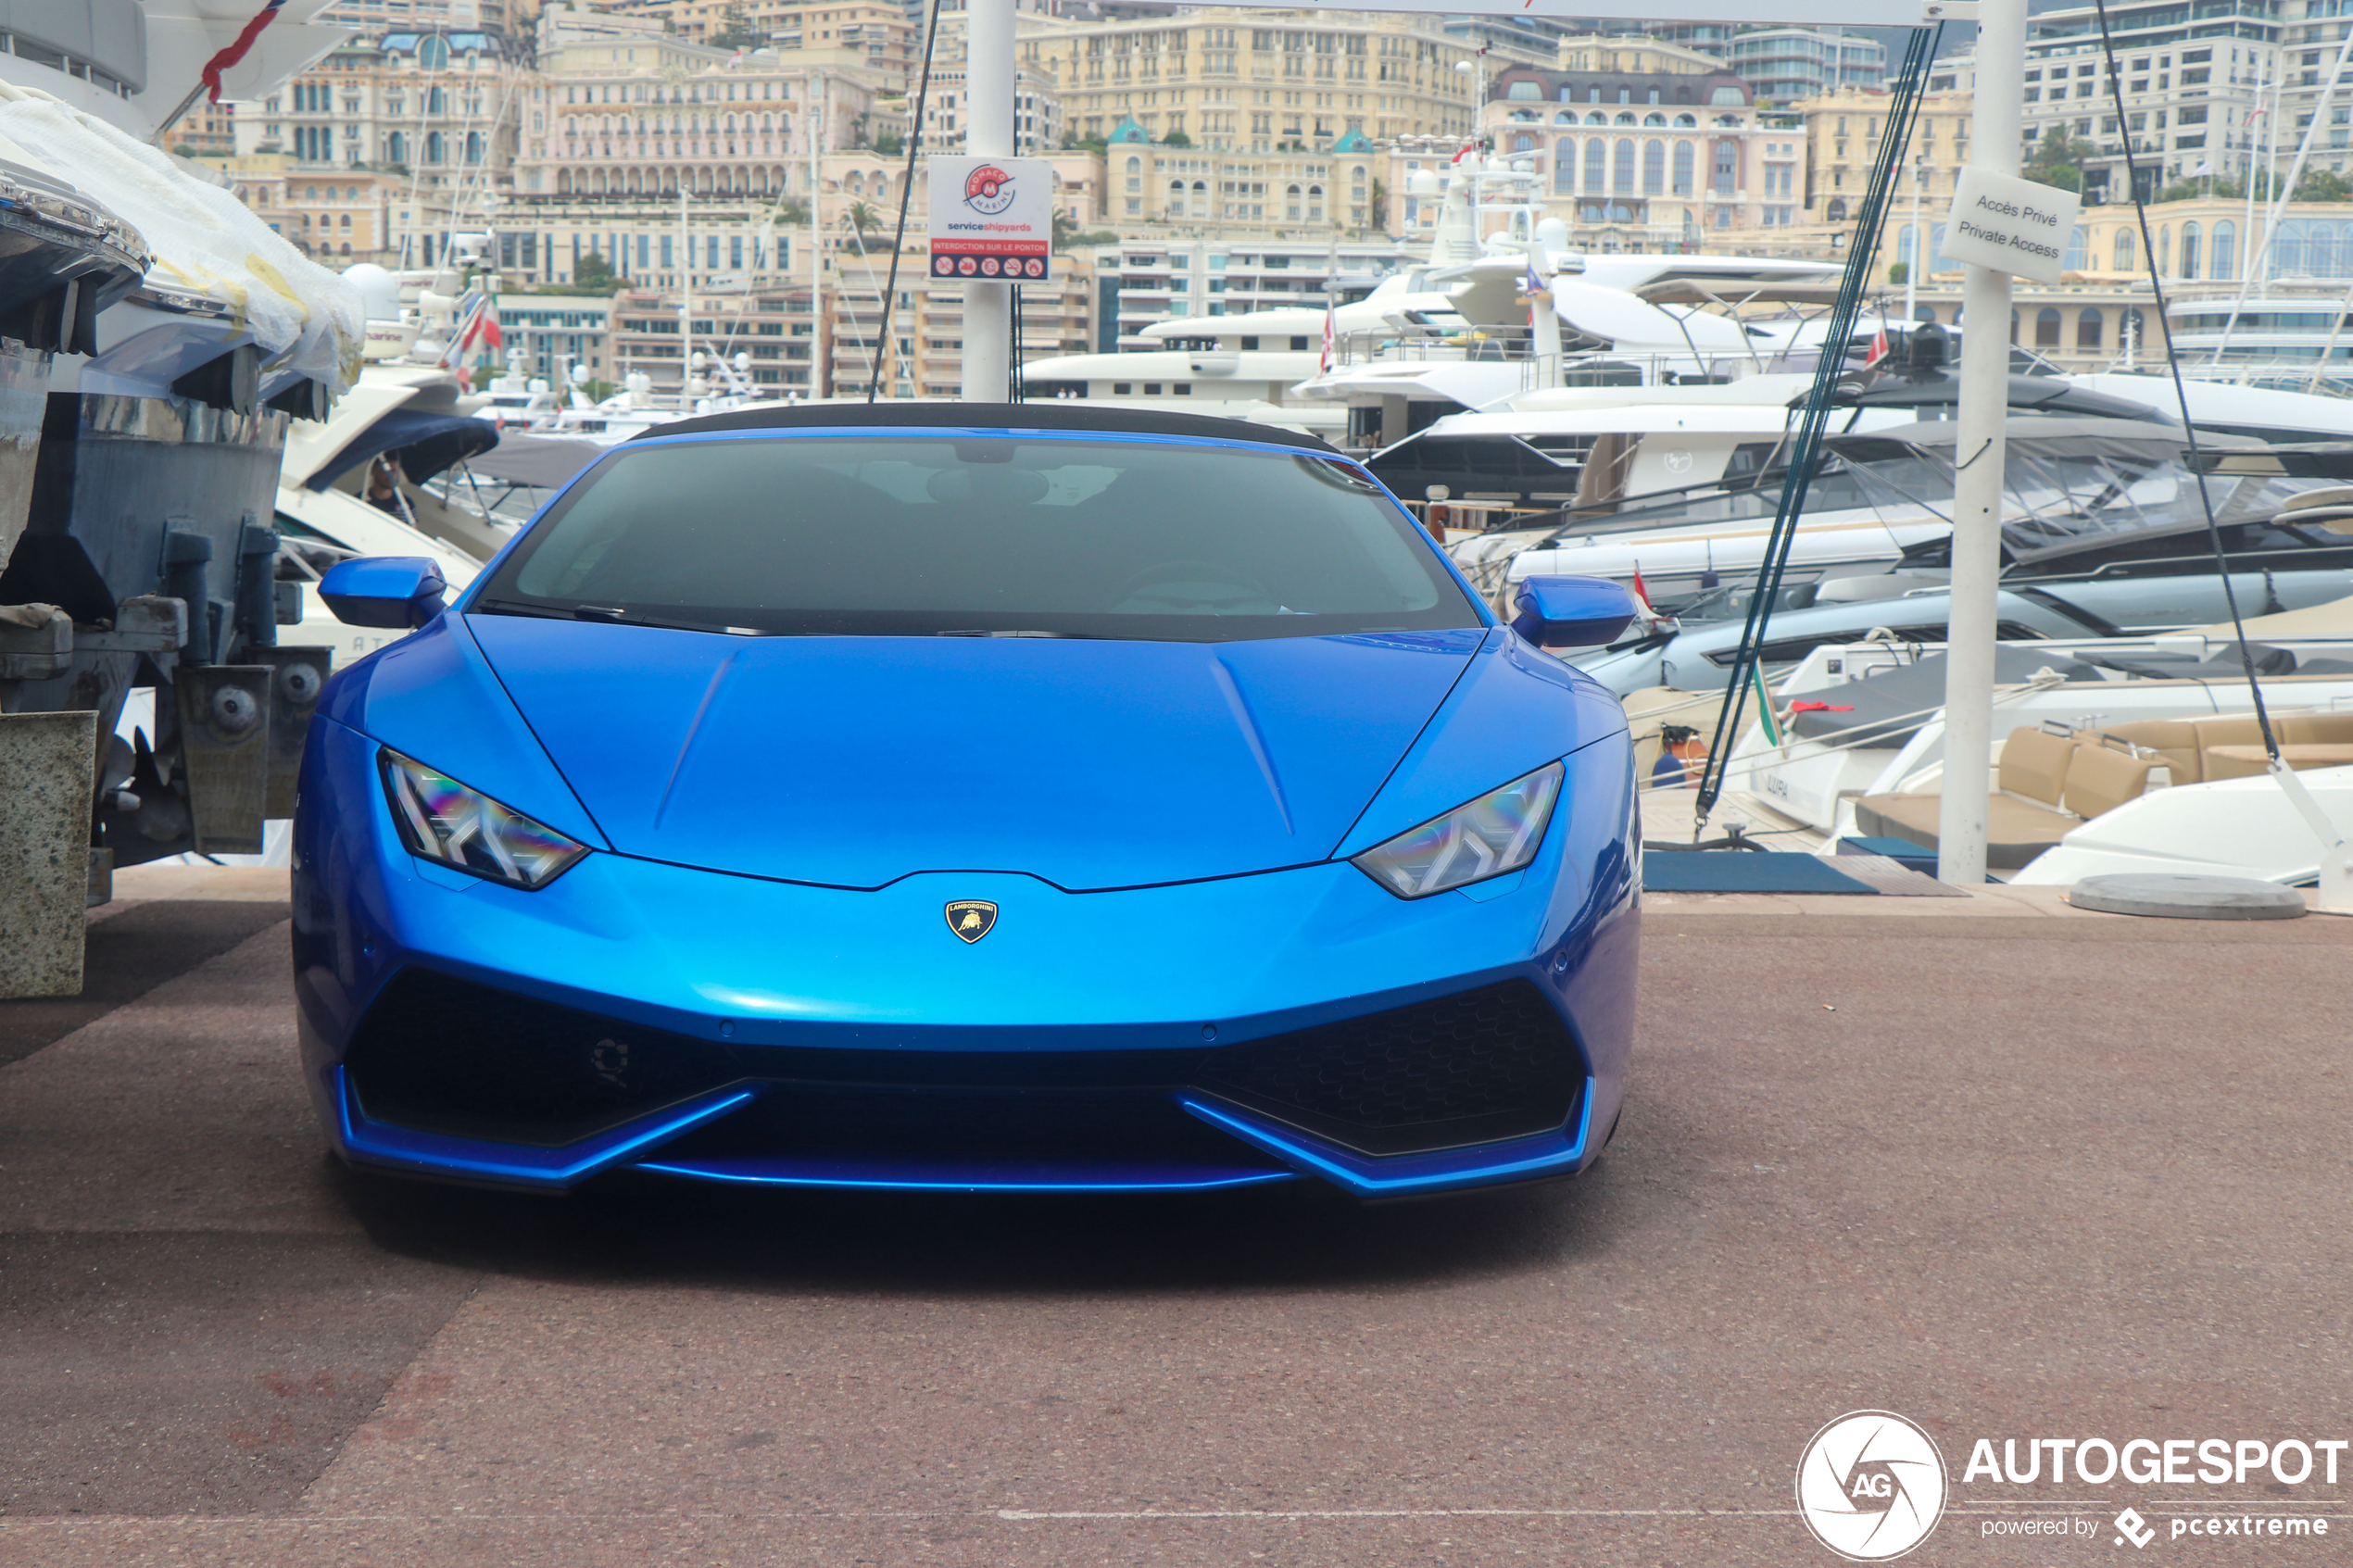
940,535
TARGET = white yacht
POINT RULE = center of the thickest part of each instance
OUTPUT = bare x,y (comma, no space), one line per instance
1451,331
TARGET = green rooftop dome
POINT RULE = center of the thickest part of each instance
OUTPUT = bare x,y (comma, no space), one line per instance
1130,131
1353,141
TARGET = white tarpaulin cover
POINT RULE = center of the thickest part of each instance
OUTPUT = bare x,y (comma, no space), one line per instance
303,318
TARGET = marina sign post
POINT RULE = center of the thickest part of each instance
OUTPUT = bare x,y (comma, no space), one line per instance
1985,308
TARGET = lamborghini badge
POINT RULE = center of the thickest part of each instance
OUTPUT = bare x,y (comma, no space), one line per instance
971,918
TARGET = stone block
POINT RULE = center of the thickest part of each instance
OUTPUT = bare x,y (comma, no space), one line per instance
46,762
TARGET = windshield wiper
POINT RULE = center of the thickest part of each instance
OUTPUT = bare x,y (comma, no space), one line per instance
509,607
613,615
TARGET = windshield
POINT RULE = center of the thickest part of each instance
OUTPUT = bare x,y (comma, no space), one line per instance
941,535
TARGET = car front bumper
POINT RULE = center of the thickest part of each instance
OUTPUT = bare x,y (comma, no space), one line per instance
1253,1029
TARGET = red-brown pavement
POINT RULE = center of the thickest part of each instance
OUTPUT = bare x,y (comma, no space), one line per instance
2011,1177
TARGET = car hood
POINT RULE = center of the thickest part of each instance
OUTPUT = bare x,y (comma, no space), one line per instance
853,761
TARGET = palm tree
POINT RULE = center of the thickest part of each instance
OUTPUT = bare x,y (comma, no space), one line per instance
860,217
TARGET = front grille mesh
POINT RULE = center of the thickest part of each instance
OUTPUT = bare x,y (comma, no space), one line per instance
1497,1052
449,1055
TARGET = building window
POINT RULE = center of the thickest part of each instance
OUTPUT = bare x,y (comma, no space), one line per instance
2087,330
2046,328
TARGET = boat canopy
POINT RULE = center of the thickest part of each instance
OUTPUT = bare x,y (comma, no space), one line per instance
544,462
2072,482
426,443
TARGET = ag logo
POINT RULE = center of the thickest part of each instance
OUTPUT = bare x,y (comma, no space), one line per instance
1870,1485
971,918
989,189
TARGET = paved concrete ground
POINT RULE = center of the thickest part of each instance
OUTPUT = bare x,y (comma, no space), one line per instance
2015,1175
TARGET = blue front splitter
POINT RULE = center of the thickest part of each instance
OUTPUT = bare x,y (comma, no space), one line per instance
373,1143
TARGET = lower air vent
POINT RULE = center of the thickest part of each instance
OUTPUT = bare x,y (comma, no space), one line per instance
448,1056
1492,1063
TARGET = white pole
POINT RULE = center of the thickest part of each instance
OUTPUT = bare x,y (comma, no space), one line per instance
1977,488
813,126
1912,266
988,119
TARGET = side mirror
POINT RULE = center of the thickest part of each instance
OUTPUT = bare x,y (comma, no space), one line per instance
402,591
1571,612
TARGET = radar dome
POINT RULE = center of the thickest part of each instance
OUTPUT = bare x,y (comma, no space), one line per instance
379,290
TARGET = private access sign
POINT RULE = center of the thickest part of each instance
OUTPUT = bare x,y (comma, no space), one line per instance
992,218
2011,225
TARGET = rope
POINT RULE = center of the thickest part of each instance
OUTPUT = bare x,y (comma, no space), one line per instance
2180,393
1903,111
906,194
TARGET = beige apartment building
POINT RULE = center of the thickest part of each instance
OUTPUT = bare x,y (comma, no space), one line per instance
1842,139
780,340
1678,156
621,116
1215,191
342,214
877,33
422,123
1235,81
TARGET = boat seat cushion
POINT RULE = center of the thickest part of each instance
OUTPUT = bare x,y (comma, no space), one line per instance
2174,741
2034,764
2102,778
2314,729
2016,830
2235,729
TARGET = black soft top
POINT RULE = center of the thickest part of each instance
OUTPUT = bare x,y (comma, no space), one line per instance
1048,414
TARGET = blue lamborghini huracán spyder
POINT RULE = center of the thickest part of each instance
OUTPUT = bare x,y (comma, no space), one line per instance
968,796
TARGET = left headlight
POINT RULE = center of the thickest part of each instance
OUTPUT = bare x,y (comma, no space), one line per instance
465,829
1493,836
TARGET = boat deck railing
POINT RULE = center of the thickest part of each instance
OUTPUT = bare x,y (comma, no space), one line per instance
1465,343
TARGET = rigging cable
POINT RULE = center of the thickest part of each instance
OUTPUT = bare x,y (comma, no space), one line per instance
906,194
2181,393
1903,111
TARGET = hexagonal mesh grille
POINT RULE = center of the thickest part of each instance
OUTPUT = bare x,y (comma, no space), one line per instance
448,1055
1496,1056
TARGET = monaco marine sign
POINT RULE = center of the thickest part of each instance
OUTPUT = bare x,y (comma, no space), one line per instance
992,218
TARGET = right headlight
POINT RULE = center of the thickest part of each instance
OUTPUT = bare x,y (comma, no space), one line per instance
444,820
1493,836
